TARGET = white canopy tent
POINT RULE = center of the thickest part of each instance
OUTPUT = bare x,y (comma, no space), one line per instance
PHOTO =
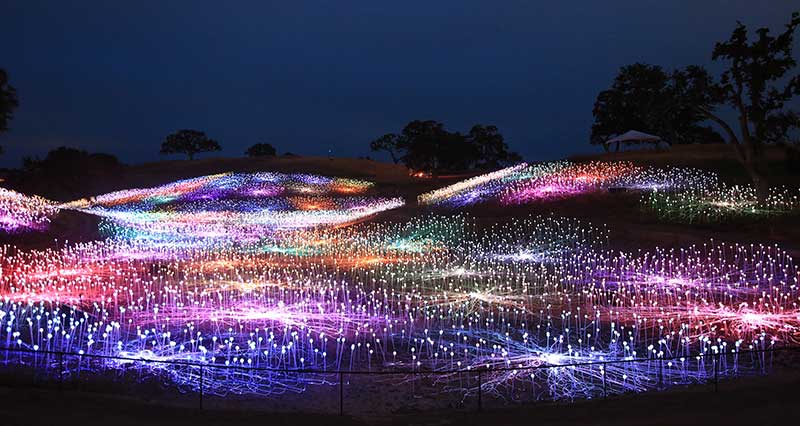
633,136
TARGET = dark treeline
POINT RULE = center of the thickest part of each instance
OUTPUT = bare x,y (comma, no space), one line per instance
645,97
63,173
428,146
8,102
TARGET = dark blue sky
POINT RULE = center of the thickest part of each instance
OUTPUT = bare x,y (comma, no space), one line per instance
310,77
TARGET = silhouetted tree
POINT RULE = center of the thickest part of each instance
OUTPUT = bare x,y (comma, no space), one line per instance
65,172
633,102
8,102
784,124
704,135
189,142
388,143
64,161
261,150
427,145
756,86
492,150
645,97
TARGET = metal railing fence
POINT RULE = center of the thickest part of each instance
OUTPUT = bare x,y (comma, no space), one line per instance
722,364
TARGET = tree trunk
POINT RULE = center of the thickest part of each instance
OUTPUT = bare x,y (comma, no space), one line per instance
755,166
191,155
761,185
748,155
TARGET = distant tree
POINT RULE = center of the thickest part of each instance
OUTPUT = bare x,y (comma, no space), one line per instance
261,150
189,142
426,145
634,101
66,173
388,143
704,135
492,150
784,124
646,98
422,143
64,161
757,84
8,102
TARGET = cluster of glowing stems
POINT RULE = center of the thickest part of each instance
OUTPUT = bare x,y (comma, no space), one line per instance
228,206
253,270
19,212
433,294
720,203
673,193
238,207
528,183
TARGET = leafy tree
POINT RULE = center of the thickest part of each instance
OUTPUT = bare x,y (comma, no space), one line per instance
427,145
65,161
633,102
66,173
492,150
388,143
189,142
785,123
8,102
705,135
757,85
261,150
645,97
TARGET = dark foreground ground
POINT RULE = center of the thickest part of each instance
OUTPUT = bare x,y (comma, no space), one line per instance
769,400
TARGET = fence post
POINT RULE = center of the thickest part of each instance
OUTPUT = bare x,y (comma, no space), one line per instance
341,393
480,390
716,373
61,371
605,391
202,368
771,359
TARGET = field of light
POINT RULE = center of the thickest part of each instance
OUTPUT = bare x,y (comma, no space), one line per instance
672,193
258,270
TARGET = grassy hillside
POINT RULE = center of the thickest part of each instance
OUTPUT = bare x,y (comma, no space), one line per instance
157,173
631,228
717,158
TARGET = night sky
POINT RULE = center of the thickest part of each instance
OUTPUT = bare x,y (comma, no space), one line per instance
310,77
